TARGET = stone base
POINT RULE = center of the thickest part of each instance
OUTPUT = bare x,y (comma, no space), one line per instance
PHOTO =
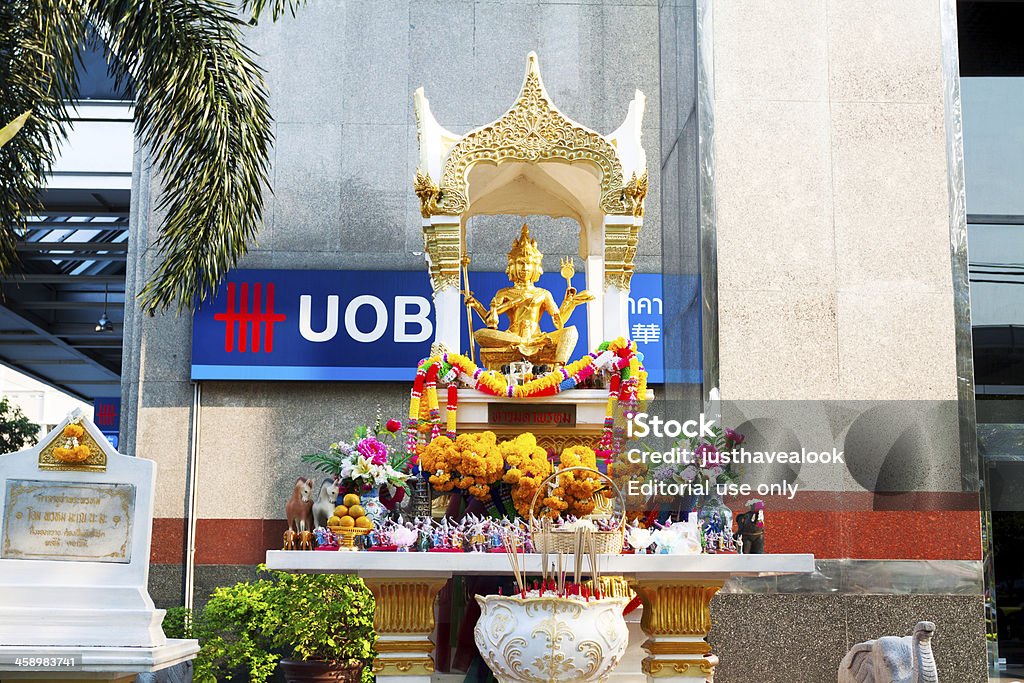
96,663
92,627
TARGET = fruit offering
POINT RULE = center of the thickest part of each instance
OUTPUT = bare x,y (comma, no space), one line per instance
350,515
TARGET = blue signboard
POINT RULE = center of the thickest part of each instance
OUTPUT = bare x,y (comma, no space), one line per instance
361,325
106,414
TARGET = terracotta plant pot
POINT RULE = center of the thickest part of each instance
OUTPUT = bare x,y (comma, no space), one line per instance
321,672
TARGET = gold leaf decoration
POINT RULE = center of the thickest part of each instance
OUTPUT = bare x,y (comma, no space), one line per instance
532,130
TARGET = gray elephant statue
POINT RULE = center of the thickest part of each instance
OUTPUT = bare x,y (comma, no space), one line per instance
892,659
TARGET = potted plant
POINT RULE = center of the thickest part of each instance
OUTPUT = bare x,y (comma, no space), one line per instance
314,627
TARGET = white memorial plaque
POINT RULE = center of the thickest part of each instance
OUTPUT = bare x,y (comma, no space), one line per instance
57,520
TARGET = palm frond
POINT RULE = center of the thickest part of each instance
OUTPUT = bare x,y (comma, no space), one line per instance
39,42
12,128
255,8
201,108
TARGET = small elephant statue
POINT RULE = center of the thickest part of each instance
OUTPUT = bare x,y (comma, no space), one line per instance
892,659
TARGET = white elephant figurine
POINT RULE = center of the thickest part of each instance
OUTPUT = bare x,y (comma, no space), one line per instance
892,659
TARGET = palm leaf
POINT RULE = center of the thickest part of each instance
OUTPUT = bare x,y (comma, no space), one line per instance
201,111
39,41
12,128
256,7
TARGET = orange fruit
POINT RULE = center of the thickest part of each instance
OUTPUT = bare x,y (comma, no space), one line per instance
340,511
351,499
334,521
364,523
357,511
348,522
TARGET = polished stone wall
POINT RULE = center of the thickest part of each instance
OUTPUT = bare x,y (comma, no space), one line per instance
822,226
341,76
831,199
826,130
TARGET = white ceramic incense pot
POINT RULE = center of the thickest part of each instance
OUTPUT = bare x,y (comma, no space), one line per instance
550,639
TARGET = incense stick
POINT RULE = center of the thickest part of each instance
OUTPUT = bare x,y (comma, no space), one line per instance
512,552
545,544
577,573
595,573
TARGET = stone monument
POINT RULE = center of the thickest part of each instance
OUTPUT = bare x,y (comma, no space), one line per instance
75,531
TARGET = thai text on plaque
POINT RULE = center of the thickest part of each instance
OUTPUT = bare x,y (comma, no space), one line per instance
55,520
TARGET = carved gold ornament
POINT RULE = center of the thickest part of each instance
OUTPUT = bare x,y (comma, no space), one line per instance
404,620
670,668
675,609
427,192
406,666
635,192
532,130
404,605
73,449
443,245
557,442
620,244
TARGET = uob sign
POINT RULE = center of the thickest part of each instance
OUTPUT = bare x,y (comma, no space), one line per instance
351,325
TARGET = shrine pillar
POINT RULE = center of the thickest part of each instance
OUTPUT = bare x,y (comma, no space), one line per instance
621,233
442,236
594,271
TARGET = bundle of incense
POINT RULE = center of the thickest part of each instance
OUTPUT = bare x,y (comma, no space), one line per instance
577,573
595,572
545,544
512,552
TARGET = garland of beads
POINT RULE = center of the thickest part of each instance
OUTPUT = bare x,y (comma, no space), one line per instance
620,357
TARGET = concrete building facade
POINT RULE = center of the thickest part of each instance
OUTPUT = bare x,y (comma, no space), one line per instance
803,161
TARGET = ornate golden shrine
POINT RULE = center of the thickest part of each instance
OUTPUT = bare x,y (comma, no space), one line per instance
534,160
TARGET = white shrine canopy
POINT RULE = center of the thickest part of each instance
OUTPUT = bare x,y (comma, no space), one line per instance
534,160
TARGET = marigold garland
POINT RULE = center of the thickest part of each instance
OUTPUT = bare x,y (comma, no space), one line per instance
472,462
575,491
72,451
619,357
526,466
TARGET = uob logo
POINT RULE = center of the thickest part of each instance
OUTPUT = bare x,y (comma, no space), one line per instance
251,324
105,415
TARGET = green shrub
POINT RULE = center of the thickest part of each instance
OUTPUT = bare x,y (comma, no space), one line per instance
177,623
245,629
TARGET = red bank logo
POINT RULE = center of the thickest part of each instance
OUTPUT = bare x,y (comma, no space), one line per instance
105,415
253,323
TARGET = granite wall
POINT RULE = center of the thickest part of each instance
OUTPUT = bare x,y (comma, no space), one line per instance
341,76
828,160
821,232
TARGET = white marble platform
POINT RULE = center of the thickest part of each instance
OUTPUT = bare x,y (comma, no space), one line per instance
97,663
442,565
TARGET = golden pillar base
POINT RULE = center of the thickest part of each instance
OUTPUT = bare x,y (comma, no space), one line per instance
676,619
404,621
